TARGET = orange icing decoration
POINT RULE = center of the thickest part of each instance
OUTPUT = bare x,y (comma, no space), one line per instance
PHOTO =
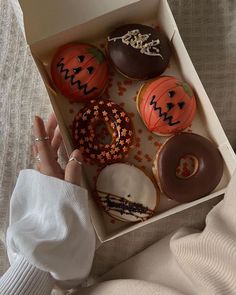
167,105
80,71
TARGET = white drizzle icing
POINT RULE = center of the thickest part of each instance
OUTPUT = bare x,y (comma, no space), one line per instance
138,41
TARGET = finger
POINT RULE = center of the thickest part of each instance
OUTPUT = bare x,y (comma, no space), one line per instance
73,169
36,157
48,163
56,141
51,126
44,148
34,150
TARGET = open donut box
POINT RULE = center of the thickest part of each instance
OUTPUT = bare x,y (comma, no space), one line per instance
50,24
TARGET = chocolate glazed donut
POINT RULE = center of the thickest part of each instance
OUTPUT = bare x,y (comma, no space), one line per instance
208,173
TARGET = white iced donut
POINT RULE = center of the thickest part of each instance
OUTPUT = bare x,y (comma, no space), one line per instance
126,193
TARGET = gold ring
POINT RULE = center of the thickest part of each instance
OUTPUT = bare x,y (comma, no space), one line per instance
42,138
74,159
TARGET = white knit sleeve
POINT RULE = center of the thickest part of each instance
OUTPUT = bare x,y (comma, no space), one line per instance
209,258
50,226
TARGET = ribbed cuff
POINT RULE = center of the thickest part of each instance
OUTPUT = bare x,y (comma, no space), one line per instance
22,278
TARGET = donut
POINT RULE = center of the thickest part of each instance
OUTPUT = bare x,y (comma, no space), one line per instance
118,124
166,105
126,193
138,51
204,179
79,71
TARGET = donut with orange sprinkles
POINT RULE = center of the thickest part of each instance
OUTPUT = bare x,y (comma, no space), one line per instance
119,128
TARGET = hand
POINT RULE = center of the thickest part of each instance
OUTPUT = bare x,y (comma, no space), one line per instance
47,142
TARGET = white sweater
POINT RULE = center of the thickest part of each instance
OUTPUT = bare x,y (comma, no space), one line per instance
51,237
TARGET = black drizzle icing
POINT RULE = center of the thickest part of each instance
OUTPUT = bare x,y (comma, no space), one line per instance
163,114
83,87
124,207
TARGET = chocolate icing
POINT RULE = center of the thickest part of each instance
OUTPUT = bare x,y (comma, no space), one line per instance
118,124
139,51
207,176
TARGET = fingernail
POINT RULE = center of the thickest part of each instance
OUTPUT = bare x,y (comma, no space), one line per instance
36,118
77,153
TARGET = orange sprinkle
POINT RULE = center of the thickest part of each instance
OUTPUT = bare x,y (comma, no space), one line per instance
158,144
148,158
128,82
137,158
131,115
122,89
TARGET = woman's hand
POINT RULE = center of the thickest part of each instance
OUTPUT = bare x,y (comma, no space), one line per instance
47,142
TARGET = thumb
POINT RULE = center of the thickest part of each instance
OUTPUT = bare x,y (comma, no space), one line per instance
73,169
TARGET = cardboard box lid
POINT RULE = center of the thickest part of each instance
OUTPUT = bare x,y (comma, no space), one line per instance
60,15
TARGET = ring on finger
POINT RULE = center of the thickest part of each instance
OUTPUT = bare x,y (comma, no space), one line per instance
44,138
76,160
37,158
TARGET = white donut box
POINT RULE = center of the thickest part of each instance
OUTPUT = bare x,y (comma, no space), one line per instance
49,24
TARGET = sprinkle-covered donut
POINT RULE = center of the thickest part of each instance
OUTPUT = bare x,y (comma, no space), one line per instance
118,124
166,105
126,193
79,71
206,176
138,51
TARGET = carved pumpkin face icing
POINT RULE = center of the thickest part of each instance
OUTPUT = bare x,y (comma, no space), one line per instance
166,105
80,72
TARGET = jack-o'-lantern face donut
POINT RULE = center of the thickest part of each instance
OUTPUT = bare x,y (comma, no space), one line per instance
79,71
166,105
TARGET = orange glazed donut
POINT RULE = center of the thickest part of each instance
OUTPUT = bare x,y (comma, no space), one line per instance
118,124
166,105
79,71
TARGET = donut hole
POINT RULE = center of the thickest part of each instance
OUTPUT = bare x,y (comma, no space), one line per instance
102,133
187,166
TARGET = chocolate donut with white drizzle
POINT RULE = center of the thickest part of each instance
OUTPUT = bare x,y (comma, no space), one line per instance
138,51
